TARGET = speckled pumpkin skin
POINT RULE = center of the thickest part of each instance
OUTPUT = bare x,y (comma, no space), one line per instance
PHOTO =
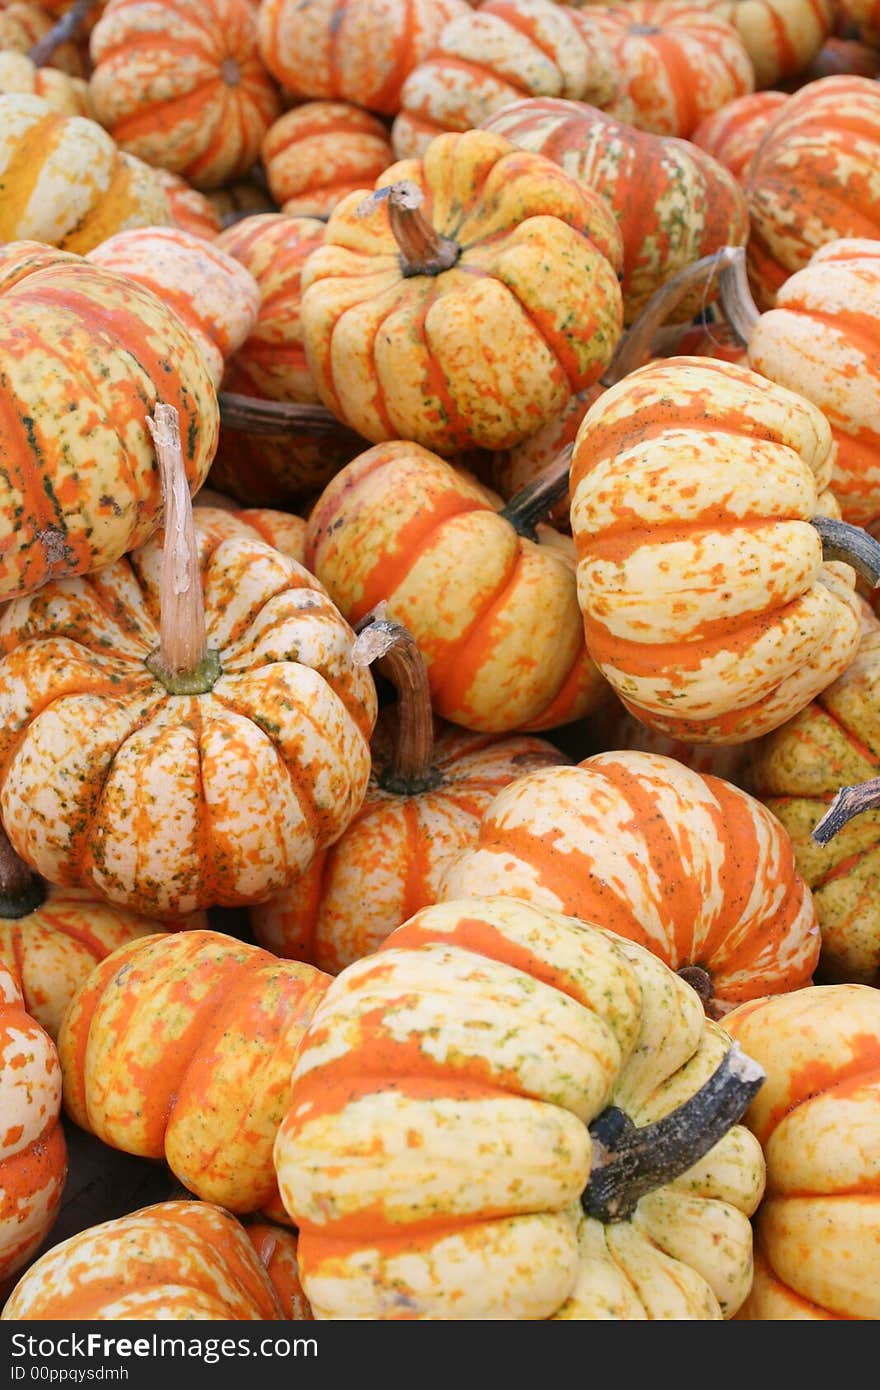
282,530
180,1047
390,861
175,1261
494,615
797,771
66,183
815,177
318,152
189,209
781,36
173,803
86,355
215,296
67,95
33,1154
276,1249
706,602
351,50
434,1169
688,866
673,203
181,84
817,1117
733,133
483,354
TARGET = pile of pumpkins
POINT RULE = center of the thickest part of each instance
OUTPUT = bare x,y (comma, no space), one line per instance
440,657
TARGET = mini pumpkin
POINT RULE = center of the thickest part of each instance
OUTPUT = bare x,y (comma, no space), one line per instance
733,133
65,94
781,37
24,25
319,151
189,209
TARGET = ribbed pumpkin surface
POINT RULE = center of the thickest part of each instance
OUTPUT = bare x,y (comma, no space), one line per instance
320,151
67,95
781,36
189,208
733,133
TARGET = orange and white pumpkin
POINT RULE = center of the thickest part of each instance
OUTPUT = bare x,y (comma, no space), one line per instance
733,133
321,150
781,37
190,210
67,95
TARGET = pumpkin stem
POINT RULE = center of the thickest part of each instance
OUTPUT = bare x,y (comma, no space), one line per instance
423,250
851,544
700,981
393,648
21,890
182,661
849,802
67,27
629,1162
740,309
634,347
257,416
536,500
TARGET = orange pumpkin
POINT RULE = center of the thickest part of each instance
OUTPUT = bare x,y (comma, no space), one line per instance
33,1155
180,84
733,133
222,518
190,210
180,1047
276,1250
493,276
65,94
175,1261
780,36
817,1117
320,151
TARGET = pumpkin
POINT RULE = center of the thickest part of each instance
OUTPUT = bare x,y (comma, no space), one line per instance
320,151
33,1154
707,604
428,789
24,25
817,1117
501,52
673,203
781,37
66,183
493,612
222,518
86,355
189,209
180,1047
241,198
276,1250
350,50
493,276
197,701
814,178
679,63
178,1261
181,84
616,730
733,133
67,95
692,868
464,1104
216,297
836,57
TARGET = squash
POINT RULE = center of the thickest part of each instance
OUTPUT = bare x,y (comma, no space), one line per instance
221,517
707,604
428,789
177,1261
679,63
501,52
691,867
780,36
66,183
276,1249
814,178
65,94
673,203
321,150
473,1118
493,276
180,1047
350,50
33,1154
86,356
23,26
216,297
733,133
180,84
493,610
838,57
198,700
190,210
817,1117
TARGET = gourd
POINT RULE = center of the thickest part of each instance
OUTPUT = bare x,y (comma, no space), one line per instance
68,95
781,36
733,133
319,151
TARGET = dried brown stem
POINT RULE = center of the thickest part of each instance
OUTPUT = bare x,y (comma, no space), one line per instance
851,544
848,803
395,652
423,250
257,416
21,890
740,309
67,27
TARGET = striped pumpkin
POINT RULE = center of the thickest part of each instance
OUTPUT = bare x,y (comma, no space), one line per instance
673,203
733,133
33,1154
189,209
66,183
679,63
350,50
175,1261
87,353
223,519
67,95
180,1047
780,36
181,85
817,1117
276,1248
215,297
320,151
494,615
23,24
436,1156
706,601
814,178
502,52
689,866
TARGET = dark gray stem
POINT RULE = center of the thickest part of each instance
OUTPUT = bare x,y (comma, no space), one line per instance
393,649
851,544
536,500
849,802
67,27
257,416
